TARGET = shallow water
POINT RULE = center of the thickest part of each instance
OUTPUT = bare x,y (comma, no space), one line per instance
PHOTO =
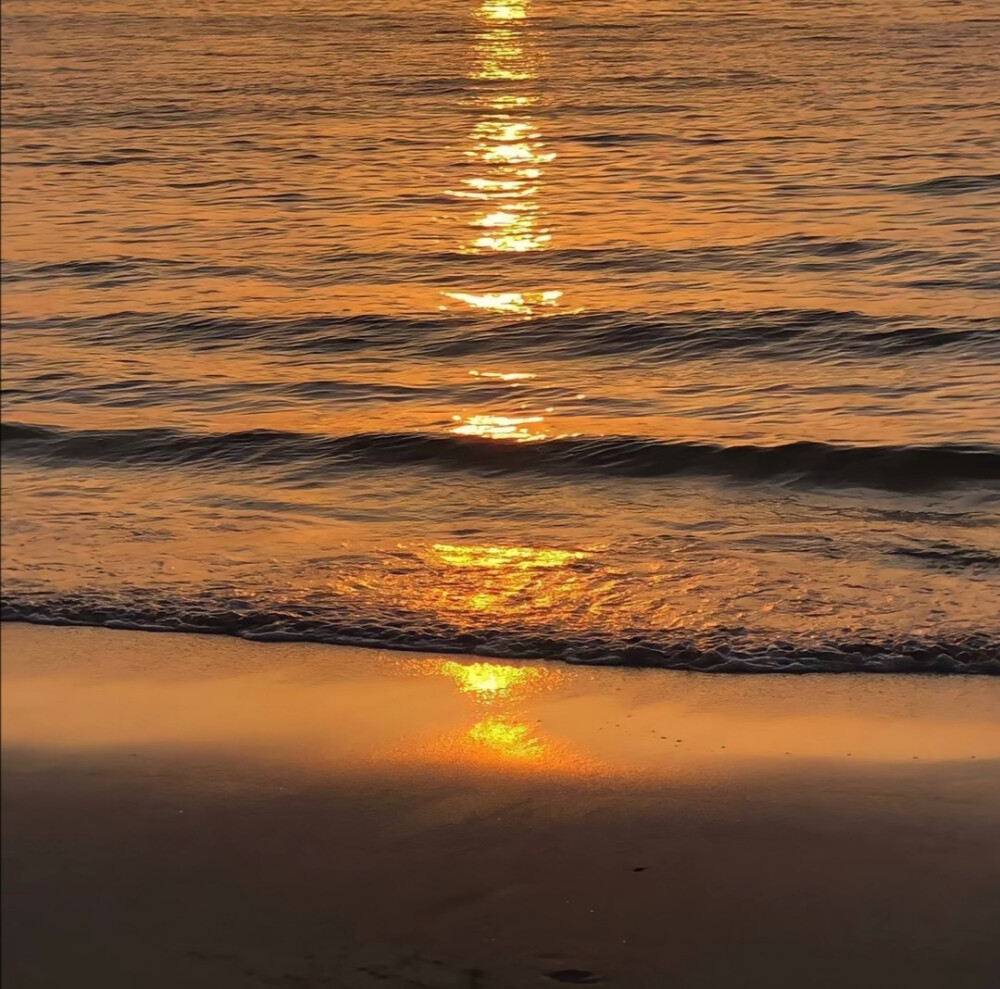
662,333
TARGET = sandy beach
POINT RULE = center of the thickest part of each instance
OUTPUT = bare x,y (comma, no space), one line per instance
201,811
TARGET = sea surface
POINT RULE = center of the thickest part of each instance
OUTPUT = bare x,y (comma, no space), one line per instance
660,333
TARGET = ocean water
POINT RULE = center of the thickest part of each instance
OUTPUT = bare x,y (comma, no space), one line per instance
657,333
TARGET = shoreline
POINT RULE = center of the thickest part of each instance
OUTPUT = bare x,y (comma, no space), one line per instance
205,811
944,657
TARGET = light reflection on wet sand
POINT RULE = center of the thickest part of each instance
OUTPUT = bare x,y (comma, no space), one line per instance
338,710
501,735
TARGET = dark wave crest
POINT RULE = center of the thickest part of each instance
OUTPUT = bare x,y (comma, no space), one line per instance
815,334
944,185
894,468
785,254
969,654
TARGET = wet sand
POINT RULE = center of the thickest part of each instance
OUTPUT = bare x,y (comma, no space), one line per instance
199,811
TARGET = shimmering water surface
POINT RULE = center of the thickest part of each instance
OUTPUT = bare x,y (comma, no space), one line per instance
659,332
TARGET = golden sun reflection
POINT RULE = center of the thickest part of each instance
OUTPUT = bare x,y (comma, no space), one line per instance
502,194
511,10
492,681
503,580
507,153
503,188
502,743
521,303
517,557
508,738
504,735
518,429
509,579
512,152
502,376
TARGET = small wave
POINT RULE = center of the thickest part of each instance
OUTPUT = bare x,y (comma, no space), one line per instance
968,654
107,161
609,140
794,334
945,556
106,272
139,392
894,468
952,185
207,183
789,253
